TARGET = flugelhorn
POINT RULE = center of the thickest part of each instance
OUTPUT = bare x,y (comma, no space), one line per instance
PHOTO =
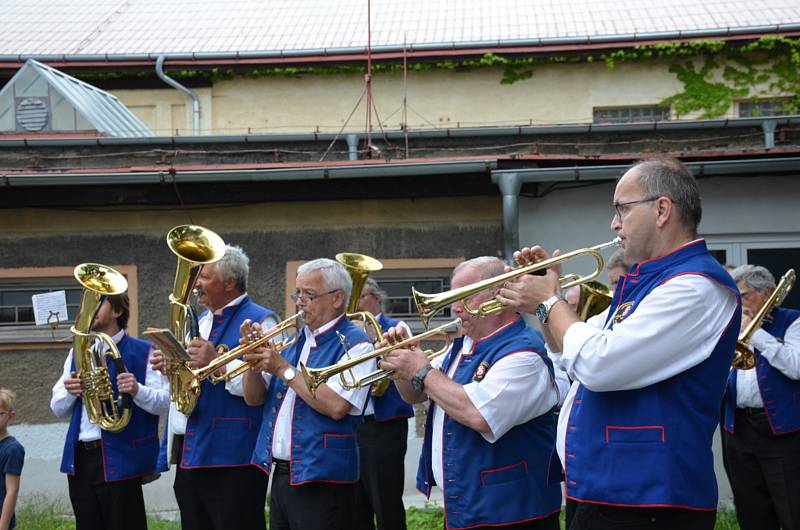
102,408
317,376
745,359
195,247
430,304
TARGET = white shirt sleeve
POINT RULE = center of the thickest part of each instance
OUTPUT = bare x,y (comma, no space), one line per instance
516,389
61,401
153,395
785,356
675,327
357,397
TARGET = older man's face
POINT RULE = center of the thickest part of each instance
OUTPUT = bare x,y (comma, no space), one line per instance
752,300
320,305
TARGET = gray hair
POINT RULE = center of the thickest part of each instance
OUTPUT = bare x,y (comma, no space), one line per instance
617,259
371,286
665,176
334,275
234,264
487,266
756,276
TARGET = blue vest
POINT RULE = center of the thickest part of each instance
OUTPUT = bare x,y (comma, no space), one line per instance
498,483
652,446
222,429
132,452
322,449
390,405
780,394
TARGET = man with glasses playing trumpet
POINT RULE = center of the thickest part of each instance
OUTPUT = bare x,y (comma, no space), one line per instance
215,485
308,440
490,435
636,429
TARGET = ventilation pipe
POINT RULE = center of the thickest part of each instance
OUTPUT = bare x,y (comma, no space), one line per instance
195,99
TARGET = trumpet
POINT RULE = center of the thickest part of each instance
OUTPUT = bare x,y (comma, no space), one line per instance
430,304
223,359
745,359
316,376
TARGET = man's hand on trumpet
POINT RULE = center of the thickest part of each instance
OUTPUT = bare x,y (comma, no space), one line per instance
527,292
263,358
404,361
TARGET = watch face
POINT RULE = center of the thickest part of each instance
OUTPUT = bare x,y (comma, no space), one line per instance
289,374
541,312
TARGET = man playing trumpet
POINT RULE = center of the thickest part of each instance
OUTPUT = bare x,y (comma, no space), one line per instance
635,431
490,435
310,438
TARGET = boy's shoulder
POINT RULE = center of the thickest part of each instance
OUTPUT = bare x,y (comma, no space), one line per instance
10,444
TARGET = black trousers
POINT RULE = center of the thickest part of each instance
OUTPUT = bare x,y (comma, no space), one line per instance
764,471
221,498
604,517
379,492
100,505
545,523
312,506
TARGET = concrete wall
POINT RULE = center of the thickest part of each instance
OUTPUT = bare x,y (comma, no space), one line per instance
440,98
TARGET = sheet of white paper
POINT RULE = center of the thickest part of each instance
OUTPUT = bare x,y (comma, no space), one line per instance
50,308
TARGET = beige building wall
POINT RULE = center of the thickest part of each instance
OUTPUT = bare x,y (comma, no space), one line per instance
440,98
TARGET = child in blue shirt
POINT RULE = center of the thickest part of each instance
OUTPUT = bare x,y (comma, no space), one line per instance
12,456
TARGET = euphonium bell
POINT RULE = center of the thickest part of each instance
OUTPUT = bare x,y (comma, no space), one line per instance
102,408
195,247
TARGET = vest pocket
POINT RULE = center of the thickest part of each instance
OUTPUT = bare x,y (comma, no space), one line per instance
635,434
499,475
338,441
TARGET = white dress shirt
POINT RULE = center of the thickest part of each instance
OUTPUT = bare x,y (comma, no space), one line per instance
516,389
675,327
785,357
152,397
370,410
281,442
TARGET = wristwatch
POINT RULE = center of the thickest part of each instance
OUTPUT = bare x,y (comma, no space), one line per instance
289,374
543,311
418,381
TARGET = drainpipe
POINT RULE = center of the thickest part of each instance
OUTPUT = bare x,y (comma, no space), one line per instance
195,99
768,126
352,146
510,185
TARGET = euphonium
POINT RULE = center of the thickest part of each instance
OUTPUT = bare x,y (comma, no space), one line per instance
103,409
359,266
430,304
316,376
593,299
195,247
745,359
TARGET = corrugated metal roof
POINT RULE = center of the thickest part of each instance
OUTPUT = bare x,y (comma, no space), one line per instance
103,111
119,27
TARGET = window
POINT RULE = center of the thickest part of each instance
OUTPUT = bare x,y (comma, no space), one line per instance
764,107
17,323
778,254
630,114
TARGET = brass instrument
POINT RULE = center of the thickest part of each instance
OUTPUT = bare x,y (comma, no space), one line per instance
110,414
359,266
745,359
316,376
195,247
223,359
593,299
430,304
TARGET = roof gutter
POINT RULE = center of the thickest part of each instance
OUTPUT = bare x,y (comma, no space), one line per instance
588,40
195,99
462,132
249,175
510,182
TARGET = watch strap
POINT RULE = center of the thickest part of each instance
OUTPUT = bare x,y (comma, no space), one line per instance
418,381
548,306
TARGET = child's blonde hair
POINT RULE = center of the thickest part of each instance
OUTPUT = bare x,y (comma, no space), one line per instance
7,399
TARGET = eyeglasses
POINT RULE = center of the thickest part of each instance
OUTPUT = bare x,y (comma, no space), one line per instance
308,298
619,207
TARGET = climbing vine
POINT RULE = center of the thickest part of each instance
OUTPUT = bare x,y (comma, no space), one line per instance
713,73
